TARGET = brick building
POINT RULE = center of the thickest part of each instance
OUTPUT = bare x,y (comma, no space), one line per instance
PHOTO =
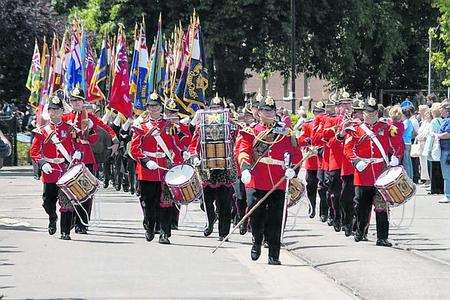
316,90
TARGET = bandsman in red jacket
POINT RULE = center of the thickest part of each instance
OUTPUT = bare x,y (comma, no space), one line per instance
85,135
369,163
53,161
312,164
262,162
154,150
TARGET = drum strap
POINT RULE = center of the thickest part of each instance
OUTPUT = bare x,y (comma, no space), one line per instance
376,141
160,141
59,146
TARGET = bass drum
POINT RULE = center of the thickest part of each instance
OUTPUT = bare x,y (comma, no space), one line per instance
184,184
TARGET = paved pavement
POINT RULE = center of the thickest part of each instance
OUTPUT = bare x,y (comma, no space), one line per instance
114,260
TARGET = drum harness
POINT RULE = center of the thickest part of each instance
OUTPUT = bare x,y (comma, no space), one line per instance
376,141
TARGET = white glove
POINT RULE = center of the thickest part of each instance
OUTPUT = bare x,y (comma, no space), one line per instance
361,165
196,161
151,165
289,173
90,124
76,155
186,155
47,168
394,161
246,177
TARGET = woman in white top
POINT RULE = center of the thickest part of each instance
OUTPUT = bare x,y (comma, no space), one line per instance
422,134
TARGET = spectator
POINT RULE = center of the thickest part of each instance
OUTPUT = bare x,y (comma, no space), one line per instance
444,141
396,115
407,139
423,132
5,148
433,152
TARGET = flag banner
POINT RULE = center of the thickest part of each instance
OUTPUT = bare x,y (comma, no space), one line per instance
142,82
97,85
34,77
74,74
120,88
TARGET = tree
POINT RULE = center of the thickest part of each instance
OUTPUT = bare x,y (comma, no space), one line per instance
21,22
441,57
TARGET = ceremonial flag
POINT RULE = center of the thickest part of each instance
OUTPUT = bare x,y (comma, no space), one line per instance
142,80
197,77
97,85
57,67
89,68
157,62
65,57
34,76
74,73
120,89
134,64
45,71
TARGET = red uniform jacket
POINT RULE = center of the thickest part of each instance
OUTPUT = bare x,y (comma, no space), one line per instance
144,148
359,146
270,169
43,150
334,144
83,144
318,140
305,139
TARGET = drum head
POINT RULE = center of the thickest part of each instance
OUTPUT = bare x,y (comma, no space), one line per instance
70,173
179,175
389,176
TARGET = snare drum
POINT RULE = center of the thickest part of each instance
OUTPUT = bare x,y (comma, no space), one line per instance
296,191
395,186
78,183
184,184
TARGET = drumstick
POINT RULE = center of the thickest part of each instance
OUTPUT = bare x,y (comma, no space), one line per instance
247,215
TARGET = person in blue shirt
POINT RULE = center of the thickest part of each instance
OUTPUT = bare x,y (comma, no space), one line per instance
444,140
407,138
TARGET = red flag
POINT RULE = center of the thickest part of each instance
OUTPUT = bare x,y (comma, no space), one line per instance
120,88
89,71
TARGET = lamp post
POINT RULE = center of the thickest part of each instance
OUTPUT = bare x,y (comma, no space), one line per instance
430,34
293,75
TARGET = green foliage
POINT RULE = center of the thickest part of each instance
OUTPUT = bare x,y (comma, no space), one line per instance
21,22
441,56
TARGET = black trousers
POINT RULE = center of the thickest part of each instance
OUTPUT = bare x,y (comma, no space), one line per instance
334,187
87,205
150,203
322,191
311,187
50,197
437,181
241,202
416,169
363,204
222,196
347,196
267,220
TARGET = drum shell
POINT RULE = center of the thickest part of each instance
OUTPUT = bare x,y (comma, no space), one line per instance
81,186
398,190
296,191
186,192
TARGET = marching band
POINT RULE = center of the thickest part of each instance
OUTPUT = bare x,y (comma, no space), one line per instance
242,167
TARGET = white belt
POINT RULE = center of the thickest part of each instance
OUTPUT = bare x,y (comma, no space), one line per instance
372,160
271,161
154,154
54,160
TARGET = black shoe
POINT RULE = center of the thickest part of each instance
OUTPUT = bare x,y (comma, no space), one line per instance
221,238
274,261
164,239
330,220
132,191
105,185
117,187
243,228
174,227
255,253
80,229
149,235
209,228
266,245
323,218
337,226
312,214
384,243
347,230
52,227
126,189
364,238
358,237
65,236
